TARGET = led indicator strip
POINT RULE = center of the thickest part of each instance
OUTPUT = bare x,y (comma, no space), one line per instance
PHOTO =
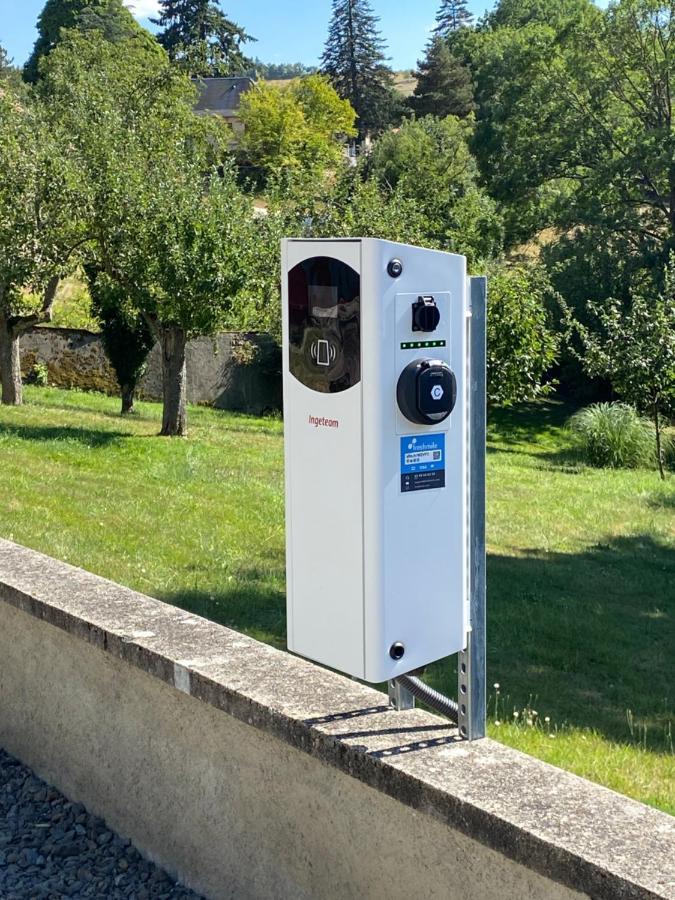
417,345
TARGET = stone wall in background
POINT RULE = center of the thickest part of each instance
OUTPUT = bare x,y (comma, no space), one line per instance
229,371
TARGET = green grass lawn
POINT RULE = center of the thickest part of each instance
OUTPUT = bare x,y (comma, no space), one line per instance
581,567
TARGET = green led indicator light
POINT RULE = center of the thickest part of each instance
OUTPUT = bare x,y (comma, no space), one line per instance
418,345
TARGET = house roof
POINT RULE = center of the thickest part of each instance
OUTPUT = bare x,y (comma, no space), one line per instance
221,95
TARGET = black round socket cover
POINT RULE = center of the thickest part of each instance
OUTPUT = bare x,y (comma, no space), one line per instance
395,268
425,314
426,391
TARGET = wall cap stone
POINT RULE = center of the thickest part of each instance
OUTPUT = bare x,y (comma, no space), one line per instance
582,835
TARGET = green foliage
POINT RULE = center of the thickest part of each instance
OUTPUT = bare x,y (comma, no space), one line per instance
38,375
429,162
125,333
521,346
302,126
109,17
72,305
8,72
452,15
613,435
443,86
141,149
354,207
38,231
354,61
525,122
633,346
198,35
574,115
160,201
281,71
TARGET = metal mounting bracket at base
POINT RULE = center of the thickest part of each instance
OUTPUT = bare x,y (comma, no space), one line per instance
399,697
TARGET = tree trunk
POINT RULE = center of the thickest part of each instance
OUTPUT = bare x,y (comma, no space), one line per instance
10,366
174,381
659,451
128,392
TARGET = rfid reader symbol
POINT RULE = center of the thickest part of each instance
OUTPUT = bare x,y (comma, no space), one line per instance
323,352
437,392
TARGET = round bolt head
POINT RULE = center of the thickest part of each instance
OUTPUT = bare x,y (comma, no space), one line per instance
395,268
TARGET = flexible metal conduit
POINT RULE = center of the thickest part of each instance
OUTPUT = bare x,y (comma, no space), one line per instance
428,695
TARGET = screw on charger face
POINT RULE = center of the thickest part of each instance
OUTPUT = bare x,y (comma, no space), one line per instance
397,650
395,268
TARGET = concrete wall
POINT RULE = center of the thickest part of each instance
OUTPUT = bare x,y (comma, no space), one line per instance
76,359
249,773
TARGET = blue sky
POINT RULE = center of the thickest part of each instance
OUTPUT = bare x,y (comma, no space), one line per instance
293,31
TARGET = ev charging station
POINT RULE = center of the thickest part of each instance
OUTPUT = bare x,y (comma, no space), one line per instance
384,417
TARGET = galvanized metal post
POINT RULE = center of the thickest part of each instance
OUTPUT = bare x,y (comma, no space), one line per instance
471,672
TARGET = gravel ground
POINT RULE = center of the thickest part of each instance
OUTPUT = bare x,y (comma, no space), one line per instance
51,848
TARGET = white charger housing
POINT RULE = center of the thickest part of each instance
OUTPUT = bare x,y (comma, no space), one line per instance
375,363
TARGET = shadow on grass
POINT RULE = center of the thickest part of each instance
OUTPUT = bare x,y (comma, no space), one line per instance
663,500
528,422
88,437
535,430
584,636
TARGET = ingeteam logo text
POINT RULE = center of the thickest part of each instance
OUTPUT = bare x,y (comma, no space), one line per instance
321,422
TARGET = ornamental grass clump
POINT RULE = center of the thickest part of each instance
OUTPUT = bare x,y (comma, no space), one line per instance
613,435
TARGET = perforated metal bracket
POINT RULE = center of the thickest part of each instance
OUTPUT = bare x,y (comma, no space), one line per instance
471,672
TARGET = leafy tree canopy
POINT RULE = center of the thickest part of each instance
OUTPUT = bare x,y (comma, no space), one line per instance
521,345
39,235
110,17
198,35
302,126
429,160
165,226
281,71
634,346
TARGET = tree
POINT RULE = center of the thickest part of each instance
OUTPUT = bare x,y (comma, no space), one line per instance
302,126
525,123
444,85
452,15
126,335
38,235
281,71
634,347
429,161
165,226
110,17
354,61
521,345
8,72
198,35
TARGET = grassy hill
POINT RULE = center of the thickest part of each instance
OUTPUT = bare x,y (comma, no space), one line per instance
581,561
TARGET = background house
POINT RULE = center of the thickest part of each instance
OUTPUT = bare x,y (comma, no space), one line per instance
221,96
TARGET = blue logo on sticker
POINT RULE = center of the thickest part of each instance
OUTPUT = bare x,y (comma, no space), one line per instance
422,453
